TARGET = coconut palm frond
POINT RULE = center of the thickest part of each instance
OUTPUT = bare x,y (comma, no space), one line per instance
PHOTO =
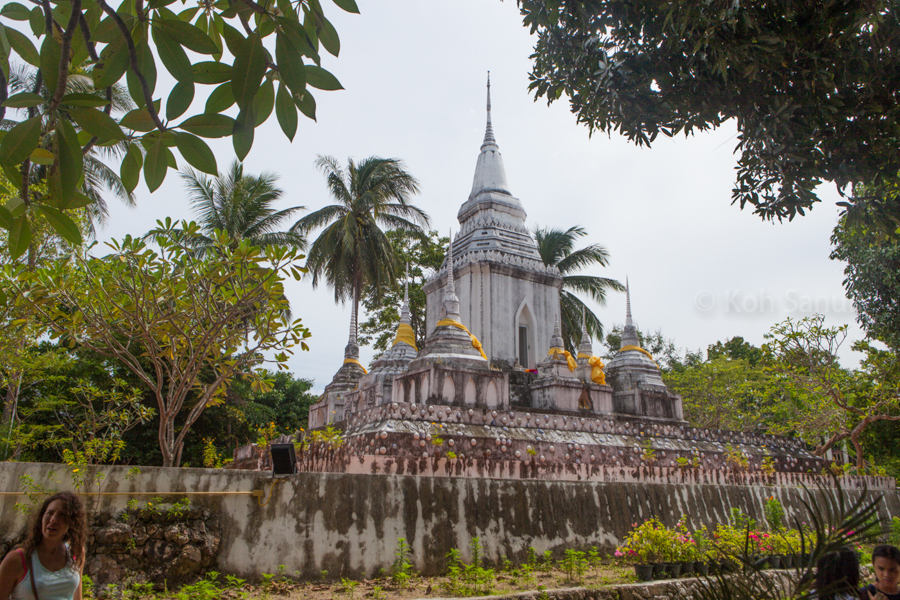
556,248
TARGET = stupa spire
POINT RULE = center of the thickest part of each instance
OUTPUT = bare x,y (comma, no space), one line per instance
352,349
556,340
451,301
627,303
629,333
404,310
585,346
489,130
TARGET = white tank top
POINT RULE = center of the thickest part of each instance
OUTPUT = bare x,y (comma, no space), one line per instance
51,585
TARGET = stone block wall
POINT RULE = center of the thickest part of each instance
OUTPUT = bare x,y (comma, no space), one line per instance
150,545
349,524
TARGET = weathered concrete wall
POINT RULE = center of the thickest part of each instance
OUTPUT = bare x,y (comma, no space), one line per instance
350,524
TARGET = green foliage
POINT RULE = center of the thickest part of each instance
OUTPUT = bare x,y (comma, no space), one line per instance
402,571
777,68
774,513
557,249
574,564
112,44
468,579
228,308
872,279
424,253
823,400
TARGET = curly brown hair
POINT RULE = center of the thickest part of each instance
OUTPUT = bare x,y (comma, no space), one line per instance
76,519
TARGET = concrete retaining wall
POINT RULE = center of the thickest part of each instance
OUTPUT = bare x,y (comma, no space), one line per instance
349,524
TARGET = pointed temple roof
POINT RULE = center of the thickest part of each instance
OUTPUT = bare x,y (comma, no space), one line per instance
585,346
396,359
351,370
632,359
492,220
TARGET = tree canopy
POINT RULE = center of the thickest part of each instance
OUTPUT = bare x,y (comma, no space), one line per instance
184,325
812,86
135,42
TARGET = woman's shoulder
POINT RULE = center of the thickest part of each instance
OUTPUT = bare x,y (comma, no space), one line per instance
13,562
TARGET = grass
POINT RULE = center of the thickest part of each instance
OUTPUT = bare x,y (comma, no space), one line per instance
463,579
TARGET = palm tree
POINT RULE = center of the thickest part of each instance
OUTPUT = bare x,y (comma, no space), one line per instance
556,248
240,205
352,251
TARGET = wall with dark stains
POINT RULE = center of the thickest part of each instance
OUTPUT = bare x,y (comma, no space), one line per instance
349,524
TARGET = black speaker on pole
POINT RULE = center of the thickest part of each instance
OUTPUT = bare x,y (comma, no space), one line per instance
284,459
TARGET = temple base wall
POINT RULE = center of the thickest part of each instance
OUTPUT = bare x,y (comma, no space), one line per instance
349,524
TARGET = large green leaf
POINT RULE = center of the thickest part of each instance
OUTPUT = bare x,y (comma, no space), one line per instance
156,165
348,5
220,99
37,22
71,161
209,125
328,36
211,72
19,142
96,123
139,119
298,37
6,218
307,105
187,35
15,11
173,56
50,56
180,99
321,79
61,223
83,99
286,112
42,156
248,71
290,64
23,47
19,236
112,65
131,167
196,152
233,38
242,136
148,69
264,102
23,100
108,31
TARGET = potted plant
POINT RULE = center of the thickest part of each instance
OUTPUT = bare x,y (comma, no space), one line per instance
641,548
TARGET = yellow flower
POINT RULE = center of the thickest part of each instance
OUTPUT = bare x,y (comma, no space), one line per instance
74,470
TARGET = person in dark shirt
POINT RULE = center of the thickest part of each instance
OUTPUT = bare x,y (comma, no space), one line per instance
886,564
837,575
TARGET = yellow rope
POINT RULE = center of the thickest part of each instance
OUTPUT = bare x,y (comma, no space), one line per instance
597,374
639,349
475,343
406,335
354,361
568,356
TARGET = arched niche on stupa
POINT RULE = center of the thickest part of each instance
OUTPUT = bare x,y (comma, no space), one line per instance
525,335
448,392
492,397
470,395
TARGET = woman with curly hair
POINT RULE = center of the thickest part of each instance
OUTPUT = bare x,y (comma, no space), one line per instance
48,565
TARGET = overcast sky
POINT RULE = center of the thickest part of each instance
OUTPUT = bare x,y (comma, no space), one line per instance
701,270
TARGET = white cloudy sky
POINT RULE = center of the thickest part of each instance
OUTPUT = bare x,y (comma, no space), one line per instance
414,74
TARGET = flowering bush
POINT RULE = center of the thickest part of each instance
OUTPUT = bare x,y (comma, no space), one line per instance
648,542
